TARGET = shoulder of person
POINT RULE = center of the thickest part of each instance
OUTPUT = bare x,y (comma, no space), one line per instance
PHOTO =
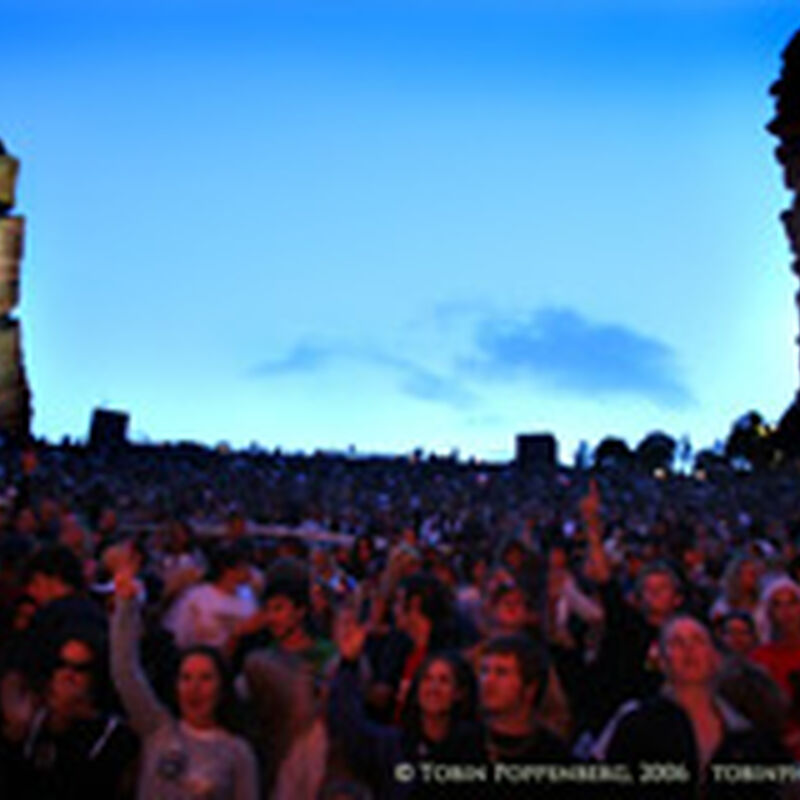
620,719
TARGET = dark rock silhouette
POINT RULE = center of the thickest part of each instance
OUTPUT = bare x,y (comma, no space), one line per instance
786,126
15,405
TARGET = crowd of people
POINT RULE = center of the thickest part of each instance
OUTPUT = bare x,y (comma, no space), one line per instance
177,622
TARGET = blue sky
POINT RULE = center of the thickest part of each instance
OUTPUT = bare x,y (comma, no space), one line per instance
392,225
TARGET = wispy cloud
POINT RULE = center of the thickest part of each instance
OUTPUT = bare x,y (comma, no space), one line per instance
556,347
423,383
415,379
575,354
304,357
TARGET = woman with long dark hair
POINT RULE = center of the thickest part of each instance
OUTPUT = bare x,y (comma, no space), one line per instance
437,722
192,752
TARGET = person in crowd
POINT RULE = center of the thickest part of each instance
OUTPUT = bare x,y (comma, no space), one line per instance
68,744
73,535
509,613
573,627
747,686
193,752
423,623
687,728
736,631
741,590
362,555
105,527
180,563
780,655
322,608
627,664
53,579
326,571
209,612
525,567
701,587
289,733
509,609
282,622
512,681
471,588
566,601
134,552
437,724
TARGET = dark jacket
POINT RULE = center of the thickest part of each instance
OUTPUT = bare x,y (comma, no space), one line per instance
659,732
510,756
622,670
374,751
89,761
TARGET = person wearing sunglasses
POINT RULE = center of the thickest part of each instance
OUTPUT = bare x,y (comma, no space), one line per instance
73,745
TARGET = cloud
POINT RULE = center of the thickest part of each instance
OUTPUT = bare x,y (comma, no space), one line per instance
576,355
415,380
556,346
301,358
422,383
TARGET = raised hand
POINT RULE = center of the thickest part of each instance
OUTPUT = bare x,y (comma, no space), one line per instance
120,557
596,566
591,502
126,587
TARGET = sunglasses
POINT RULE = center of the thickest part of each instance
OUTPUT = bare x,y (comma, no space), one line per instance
75,666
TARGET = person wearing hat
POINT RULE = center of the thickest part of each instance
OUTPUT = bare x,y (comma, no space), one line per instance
779,611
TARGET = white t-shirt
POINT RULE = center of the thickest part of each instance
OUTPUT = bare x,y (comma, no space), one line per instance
207,615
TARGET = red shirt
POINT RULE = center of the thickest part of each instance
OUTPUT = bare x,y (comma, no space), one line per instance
781,660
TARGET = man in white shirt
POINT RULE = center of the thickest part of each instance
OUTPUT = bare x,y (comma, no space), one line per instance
209,612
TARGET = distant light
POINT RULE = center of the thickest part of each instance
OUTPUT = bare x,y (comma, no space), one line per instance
659,473
700,474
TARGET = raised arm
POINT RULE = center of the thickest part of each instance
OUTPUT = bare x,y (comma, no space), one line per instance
597,567
144,710
366,743
580,604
